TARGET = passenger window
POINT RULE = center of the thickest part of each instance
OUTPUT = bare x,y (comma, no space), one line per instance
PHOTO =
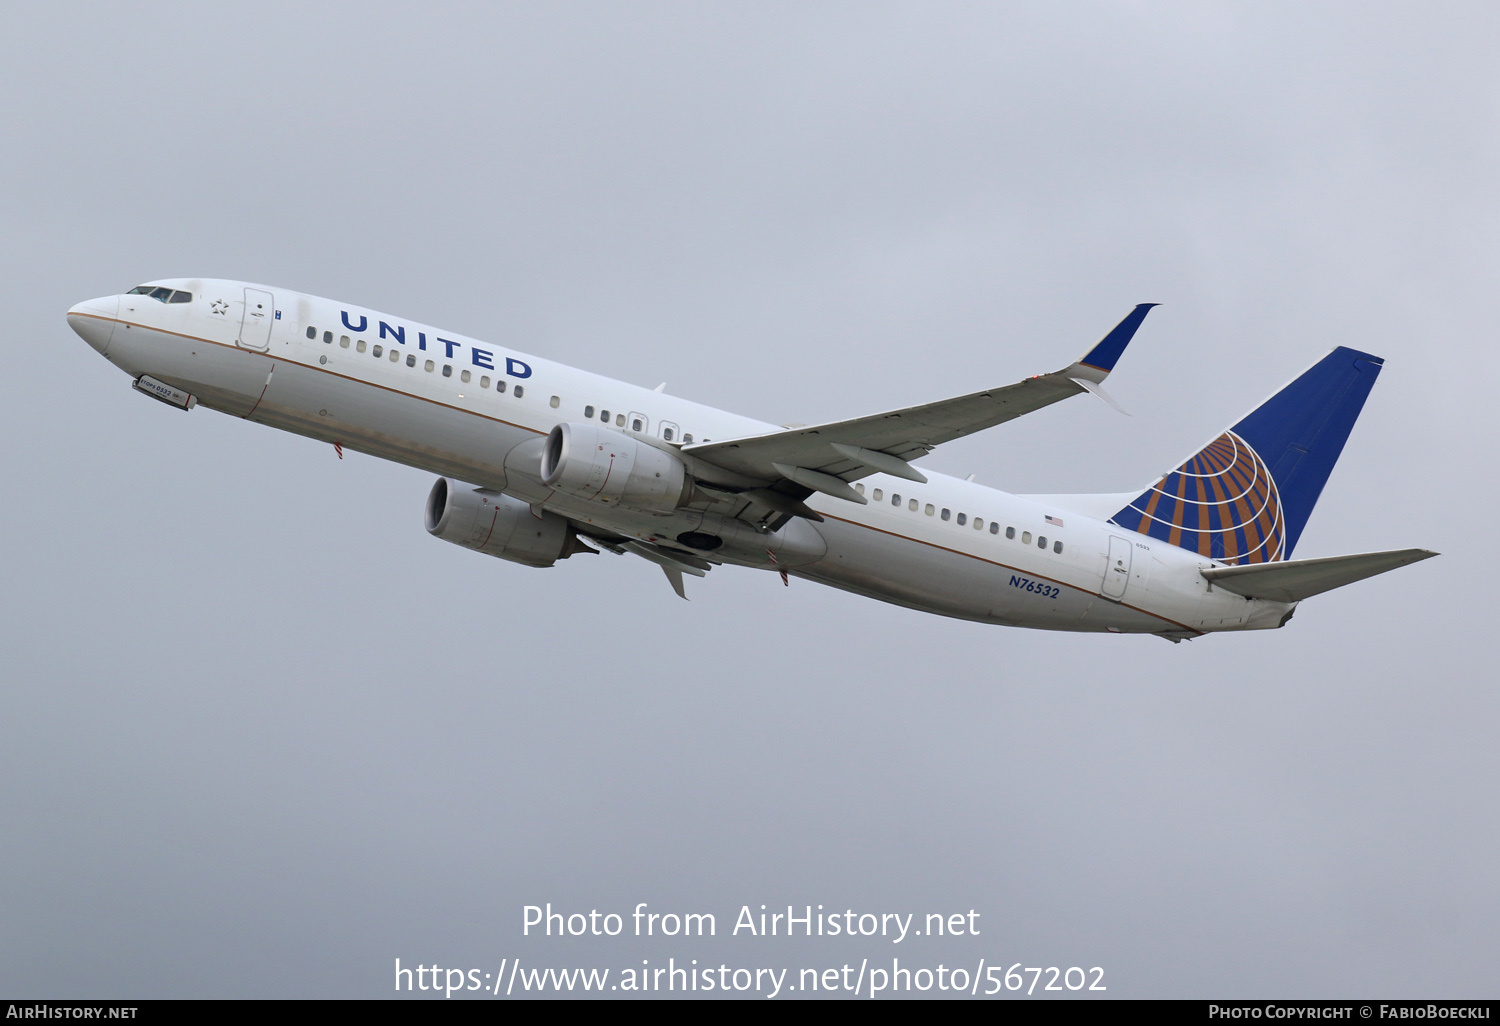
1041,542
635,425
429,366
377,351
465,377
359,346
947,513
604,416
860,489
484,381
499,384
879,495
588,412
619,420
962,519
1057,547
327,337
687,439
912,505
519,391
411,359
312,332
895,499
447,369
978,524
343,341
1025,537
994,527
395,356
667,434
930,510
182,297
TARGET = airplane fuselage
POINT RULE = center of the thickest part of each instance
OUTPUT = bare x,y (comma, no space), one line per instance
479,413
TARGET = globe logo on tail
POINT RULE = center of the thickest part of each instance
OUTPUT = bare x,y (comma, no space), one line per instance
1222,503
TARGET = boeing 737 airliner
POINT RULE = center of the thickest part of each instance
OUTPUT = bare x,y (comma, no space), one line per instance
538,462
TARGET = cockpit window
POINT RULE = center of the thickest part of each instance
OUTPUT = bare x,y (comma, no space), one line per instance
161,294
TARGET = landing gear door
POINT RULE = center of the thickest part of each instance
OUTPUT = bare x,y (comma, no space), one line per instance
255,327
1116,569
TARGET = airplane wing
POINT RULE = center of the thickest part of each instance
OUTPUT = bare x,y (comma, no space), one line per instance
825,457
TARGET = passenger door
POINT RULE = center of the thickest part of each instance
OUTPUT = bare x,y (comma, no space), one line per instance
1116,569
255,325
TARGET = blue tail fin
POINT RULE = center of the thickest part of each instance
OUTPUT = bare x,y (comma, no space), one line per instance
1246,496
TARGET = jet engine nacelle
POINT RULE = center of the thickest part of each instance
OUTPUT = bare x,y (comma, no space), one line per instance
498,525
595,463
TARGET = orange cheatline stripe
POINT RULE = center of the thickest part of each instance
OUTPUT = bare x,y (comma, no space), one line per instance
325,370
1005,566
522,427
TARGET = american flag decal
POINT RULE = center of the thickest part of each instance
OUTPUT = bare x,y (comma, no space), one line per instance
1055,521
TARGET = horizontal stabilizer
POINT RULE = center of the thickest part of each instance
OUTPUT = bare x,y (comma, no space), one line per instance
1296,579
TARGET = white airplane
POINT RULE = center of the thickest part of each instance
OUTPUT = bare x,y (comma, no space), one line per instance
540,462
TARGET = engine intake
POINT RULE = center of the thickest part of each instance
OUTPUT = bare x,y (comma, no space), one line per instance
595,463
498,525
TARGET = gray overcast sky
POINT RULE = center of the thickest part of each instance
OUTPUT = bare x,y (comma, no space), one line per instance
260,734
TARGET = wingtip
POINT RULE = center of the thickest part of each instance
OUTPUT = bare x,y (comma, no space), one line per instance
1106,354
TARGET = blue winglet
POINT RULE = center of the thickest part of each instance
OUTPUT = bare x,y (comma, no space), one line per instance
1106,354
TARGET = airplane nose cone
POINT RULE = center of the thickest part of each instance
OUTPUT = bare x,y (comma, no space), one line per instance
94,320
